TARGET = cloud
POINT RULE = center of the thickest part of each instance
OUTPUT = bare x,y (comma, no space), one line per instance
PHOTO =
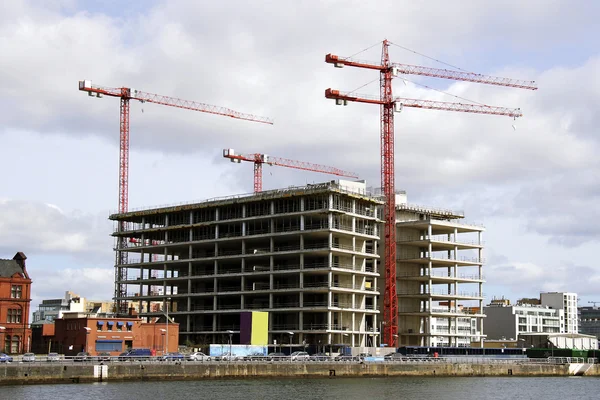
528,279
262,59
563,207
36,227
52,281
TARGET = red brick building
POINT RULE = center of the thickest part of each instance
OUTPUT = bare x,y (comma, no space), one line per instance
15,298
77,332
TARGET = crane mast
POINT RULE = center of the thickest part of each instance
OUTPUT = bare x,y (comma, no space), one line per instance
259,159
125,95
388,105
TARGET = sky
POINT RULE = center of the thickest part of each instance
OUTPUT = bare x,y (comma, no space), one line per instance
533,182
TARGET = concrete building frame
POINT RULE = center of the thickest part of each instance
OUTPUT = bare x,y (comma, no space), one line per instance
307,255
439,262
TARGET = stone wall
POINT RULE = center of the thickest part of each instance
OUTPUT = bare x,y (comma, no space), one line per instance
134,371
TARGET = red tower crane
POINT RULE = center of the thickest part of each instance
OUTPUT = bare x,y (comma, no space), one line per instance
388,105
260,159
127,94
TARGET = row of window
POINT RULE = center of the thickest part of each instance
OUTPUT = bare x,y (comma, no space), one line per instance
16,291
13,316
11,344
110,326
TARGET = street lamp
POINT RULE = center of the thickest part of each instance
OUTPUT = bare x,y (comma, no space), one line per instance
167,334
291,336
230,340
87,334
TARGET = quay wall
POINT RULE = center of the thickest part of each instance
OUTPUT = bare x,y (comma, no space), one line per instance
37,373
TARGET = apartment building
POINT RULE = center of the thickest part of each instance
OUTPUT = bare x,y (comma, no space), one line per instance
589,321
51,309
568,303
506,321
439,277
307,255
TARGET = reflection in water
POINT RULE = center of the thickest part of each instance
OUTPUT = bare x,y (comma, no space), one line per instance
330,389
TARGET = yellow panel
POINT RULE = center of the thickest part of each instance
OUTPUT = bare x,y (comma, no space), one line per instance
260,328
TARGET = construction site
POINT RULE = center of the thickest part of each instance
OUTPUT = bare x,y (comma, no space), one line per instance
332,263
307,255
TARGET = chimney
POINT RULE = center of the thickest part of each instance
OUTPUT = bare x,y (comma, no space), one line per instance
20,258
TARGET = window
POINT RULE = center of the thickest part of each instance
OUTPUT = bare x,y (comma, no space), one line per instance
16,291
15,344
109,345
13,316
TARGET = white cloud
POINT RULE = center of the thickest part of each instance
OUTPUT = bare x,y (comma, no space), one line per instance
35,227
527,279
51,281
261,58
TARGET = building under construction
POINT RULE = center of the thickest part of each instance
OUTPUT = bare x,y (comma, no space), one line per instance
307,255
439,277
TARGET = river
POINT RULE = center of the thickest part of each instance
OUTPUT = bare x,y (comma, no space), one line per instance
331,389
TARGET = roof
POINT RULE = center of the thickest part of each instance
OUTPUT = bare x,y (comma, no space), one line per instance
10,267
41,322
557,335
246,198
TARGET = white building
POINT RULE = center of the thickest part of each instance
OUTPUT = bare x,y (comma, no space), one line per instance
566,302
439,277
505,321
51,309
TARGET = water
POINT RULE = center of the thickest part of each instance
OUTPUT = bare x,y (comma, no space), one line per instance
330,389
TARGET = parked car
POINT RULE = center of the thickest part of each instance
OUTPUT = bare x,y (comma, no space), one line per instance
103,356
198,356
320,357
393,357
82,356
300,356
229,357
135,354
255,357
362,356
276,356
172,357
5,358
28,357
52,357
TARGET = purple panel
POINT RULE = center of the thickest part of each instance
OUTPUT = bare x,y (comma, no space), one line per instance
245,327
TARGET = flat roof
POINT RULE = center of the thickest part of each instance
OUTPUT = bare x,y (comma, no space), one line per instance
291,191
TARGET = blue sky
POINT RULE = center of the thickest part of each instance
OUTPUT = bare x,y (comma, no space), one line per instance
535,188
